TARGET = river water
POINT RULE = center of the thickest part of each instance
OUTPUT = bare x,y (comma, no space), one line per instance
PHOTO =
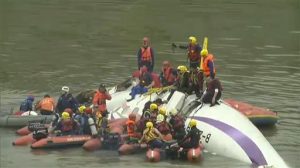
80,43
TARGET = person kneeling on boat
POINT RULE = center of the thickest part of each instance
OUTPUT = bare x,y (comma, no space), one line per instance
46,105
163,127
177,122
213,91
152,136
102,125
133,136
82,118
191,140
66,126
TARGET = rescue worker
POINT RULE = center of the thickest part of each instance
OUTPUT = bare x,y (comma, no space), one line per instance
153,112
167,74
26,105
177,122
182,81
208,64
82,119
133,136
70,111
213,91
149,114
146,55
46,105
102,125
66,126
191,140
66,100
163,112
150,79
152,136
194,50
162,125
196,82
100,98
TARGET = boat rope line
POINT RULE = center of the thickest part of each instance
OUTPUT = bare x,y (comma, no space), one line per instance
249,147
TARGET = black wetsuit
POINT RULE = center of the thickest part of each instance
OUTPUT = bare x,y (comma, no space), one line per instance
194,135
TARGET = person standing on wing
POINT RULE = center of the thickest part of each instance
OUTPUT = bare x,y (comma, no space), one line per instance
146,55
194,50
208,64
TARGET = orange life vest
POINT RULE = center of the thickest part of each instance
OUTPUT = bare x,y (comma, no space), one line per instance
193,54
130,128
206,70
168,75
100,100
146,54
47,104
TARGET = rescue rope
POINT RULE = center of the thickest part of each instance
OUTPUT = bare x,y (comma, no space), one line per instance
156,90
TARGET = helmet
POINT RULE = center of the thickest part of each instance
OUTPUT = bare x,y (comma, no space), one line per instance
88,110
193,40
30,97
68,110
65,89
82,109
204,52
102,87
182,68
65,115
173,112
162,111
153,107
192,123
149,125
132,116
160,118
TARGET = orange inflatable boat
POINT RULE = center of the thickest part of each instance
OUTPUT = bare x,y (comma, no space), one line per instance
61,141
153,155
258,116
127,149
194,154
24,140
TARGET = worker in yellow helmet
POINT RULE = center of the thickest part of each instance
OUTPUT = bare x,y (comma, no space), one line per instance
208,64
193,135
152,136
67,125
194,50
182,81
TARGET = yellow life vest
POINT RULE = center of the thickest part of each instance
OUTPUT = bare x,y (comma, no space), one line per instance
150,135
